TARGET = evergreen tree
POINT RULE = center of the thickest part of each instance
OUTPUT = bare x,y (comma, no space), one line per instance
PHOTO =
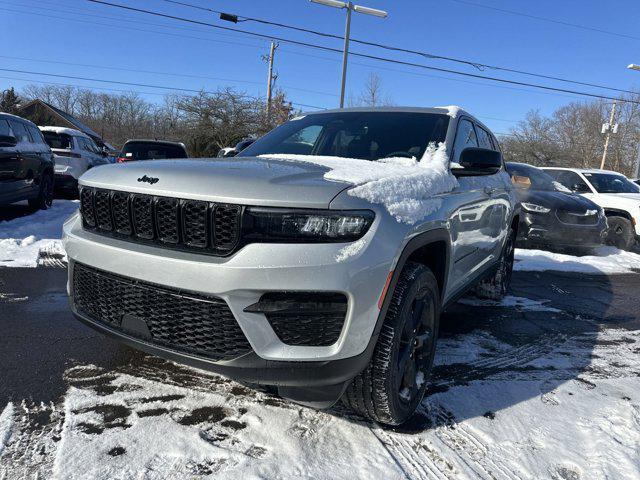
9,101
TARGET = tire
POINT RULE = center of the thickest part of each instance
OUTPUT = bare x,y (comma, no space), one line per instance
620,233
44,200
386,392
497,285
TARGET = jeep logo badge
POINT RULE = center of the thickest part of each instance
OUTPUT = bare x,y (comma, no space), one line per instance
150,180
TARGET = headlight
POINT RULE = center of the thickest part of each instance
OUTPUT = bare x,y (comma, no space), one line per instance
277,224
532,207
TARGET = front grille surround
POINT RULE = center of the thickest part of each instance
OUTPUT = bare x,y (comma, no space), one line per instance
180,224
182,321
571,218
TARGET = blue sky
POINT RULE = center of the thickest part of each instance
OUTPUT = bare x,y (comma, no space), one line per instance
80,32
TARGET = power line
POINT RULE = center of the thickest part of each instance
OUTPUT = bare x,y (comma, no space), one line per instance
546,19
294,52
478,65
155,72
363,55
408,72
118,82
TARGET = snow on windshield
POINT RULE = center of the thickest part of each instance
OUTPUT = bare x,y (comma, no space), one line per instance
404,186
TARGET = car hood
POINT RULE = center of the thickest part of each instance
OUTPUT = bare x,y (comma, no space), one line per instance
242,180
557,200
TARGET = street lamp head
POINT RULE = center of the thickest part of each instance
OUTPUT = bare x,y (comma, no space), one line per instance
370,11
331,3
633,66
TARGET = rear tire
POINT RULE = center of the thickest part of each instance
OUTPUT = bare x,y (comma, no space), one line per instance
497,286
391,387
44,200
620,233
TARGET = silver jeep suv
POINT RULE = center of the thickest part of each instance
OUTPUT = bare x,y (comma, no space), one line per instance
316,262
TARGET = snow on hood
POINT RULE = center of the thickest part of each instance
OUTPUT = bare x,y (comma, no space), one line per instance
404,186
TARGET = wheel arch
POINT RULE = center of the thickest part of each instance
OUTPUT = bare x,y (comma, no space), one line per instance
616,212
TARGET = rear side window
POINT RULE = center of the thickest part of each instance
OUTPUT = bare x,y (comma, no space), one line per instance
465,137
61,141
20,131
151,151
4,128
570,180
36,136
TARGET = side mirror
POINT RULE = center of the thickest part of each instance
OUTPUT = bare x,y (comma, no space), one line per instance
476,161
8,141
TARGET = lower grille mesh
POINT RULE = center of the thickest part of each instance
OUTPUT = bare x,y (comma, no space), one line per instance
183,322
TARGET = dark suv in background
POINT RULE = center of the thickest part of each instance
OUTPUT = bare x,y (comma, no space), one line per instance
26,163
151,150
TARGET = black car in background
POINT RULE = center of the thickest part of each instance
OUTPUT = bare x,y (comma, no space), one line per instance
26,163
552,217
134,150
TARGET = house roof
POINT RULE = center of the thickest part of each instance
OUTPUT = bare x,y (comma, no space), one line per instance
65,118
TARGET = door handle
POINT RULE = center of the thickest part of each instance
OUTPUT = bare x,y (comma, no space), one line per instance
490,190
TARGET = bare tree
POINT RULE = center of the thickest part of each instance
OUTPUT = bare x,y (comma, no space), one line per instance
372,94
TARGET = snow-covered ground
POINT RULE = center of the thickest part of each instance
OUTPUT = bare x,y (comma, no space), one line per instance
606,260
532,412
23,239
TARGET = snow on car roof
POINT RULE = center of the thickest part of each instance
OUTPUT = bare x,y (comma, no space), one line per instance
64,130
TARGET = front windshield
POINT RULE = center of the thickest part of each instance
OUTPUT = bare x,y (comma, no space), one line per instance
362,135
527,177
611,183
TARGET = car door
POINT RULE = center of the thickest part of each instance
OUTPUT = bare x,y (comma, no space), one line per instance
9,166
472,233
28,157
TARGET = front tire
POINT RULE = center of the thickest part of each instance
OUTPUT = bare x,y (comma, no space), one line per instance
620,233
44,200
391,387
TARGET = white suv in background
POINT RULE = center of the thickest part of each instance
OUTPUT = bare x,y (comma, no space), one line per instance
74,152
615,193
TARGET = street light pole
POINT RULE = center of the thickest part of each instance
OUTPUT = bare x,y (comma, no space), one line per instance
349,6
610,127
345,54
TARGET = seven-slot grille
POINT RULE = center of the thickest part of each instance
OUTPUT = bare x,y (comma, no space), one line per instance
169,222
182,321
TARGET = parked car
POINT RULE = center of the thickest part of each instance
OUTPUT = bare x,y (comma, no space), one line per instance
151,150
553,217
269,272
74,153
615,193
26,163
233,151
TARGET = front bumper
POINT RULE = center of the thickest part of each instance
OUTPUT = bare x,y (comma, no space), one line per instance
537,229
241,279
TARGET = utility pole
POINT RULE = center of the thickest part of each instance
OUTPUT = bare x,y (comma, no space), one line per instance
637,169
609,128
270,79
349,6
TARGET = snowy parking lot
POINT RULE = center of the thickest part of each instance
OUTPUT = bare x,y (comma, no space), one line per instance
544,384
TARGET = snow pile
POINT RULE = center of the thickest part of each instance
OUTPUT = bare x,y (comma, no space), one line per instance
6,424
405,186
22,239
519,303
607,260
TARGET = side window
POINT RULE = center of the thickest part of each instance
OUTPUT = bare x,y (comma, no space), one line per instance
4,128
35,134
20,131
570,180
484,139
465,137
